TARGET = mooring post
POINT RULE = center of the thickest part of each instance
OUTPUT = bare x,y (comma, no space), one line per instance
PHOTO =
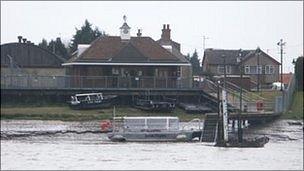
240,131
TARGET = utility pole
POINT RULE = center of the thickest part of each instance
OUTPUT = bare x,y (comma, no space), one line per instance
204,42
204,45
281,44
258,68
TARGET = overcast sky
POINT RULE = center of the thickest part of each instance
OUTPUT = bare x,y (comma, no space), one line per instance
229,25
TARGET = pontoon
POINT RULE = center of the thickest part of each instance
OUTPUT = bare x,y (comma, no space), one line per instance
147,129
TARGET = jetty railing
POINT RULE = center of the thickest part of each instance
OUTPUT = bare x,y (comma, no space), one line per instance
288,94
57,82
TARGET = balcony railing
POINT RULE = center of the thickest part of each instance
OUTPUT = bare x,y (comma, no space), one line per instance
59,82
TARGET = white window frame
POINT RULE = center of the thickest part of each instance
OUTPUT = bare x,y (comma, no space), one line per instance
268,69
251,68
259,69
247,69
220,67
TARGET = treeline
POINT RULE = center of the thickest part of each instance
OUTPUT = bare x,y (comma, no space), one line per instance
85,35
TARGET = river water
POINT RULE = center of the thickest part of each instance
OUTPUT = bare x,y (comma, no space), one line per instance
79,145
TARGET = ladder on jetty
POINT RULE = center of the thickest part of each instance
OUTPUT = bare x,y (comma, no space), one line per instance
210,128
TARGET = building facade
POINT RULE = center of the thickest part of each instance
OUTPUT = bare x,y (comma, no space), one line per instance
259,66
24,64
127,62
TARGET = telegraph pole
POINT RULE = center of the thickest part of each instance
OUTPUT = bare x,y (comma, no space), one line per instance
204,42
281,44
258,68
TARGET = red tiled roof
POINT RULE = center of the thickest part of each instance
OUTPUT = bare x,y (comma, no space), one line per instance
286,78
109,48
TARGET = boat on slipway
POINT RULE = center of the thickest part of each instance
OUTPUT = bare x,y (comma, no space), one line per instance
152,129
166,105
91,101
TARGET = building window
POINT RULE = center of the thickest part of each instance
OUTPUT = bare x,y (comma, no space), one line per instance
247,69
254,69
260,68
269,69
220,69
115,71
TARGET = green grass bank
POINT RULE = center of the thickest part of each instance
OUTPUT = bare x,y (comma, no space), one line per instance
296,109
65,113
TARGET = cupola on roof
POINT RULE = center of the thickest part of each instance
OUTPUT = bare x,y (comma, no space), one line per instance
125,30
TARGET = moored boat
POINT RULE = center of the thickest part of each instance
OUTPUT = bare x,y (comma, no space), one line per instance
91,101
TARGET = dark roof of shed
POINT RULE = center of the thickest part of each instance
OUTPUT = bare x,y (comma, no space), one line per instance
137,49
29,55
216,56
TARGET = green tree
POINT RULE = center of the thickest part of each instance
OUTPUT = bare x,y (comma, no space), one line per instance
56,47
299,73
85,35
188,56
196,69
43,44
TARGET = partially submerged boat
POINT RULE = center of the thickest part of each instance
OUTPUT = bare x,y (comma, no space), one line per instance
149,129
167,105
195,108
91,101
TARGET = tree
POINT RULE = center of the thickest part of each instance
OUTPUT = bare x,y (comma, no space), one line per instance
43,44
299,73
188,56
195,63
56,47
85,35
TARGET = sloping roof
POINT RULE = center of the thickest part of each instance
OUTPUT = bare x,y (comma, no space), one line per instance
109,49
216,56
29,55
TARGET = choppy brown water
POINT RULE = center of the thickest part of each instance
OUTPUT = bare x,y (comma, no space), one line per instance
79,145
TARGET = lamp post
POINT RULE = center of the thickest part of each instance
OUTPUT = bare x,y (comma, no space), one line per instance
281,44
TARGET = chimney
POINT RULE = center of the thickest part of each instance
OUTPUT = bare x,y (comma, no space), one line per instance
19,39
166,32
24,40
138,33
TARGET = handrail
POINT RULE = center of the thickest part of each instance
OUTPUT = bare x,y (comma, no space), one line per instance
193,120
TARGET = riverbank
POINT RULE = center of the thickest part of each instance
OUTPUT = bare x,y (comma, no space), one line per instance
296,109
65,113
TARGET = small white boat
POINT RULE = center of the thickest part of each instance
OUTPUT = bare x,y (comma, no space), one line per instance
148,129
91,100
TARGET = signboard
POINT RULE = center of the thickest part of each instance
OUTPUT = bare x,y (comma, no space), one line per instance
225,115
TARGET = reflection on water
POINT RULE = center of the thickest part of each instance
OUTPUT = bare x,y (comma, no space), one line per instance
69,145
